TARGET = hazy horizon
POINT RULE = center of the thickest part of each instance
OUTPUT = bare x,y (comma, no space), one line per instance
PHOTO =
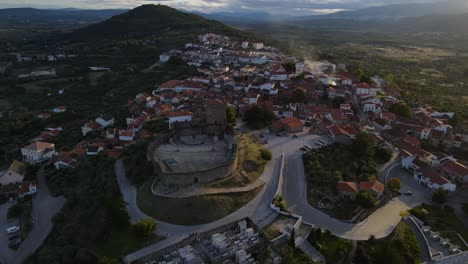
274,7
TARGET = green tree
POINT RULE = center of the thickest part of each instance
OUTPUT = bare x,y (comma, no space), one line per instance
455,120
400,109
299,96
363,146
365,199
440,195
389,78
230,115
360,256
337,101
145,227
394,184
359,72
318,234
258,117
383,155
266,154
290,67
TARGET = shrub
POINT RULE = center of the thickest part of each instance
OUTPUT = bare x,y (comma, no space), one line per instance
365,199
266,154
394,184
448,208
439,196
145,227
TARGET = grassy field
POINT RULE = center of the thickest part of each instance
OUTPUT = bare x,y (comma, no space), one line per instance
194,210
399,247
250,165
444,221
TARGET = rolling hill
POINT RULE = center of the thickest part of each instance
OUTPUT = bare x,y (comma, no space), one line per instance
152,20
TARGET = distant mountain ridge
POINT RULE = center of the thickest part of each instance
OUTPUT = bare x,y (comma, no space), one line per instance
68,15
397,11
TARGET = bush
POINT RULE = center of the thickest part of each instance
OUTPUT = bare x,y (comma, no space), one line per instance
14,211
365,199
383,155
440,196
394,184
145,227
266,154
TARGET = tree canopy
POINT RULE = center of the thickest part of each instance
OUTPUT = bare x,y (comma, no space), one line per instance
400,109
259,116
363,146
299,96
231,115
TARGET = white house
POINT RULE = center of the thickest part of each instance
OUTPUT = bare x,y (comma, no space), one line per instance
92,150
406,159
14,174
38,152
178,116
27,188
164,57
126,135
371,107
431,178
258,46
279,76
105,121
365,89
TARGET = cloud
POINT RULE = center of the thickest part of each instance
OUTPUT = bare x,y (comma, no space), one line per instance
291,7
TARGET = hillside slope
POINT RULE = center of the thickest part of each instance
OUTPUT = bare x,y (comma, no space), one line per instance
151,20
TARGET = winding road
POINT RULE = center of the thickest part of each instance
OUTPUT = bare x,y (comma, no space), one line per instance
380,224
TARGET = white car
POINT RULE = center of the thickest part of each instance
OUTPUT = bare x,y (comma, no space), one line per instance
12,229
307,147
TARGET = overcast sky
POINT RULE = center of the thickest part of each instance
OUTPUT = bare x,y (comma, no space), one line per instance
291,7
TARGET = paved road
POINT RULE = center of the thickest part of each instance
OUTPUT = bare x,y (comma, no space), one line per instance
258,209
380,224
45,206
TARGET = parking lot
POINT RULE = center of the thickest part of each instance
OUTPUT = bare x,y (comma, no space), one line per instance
4,224
419,193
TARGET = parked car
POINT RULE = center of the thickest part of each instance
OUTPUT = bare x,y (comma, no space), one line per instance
307,147
12,229
408,193
294,136
319,144
321,141
13,237
304,149
262,136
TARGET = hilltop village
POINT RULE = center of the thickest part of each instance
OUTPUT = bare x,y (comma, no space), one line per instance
294,110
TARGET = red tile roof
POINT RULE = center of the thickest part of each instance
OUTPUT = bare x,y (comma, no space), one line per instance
39,146
373,185
348,187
